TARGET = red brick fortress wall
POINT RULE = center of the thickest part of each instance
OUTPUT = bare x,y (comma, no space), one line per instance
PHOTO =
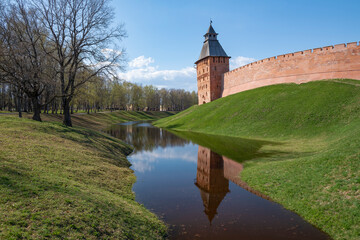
339,61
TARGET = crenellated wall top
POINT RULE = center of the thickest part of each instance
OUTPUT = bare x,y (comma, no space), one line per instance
321,50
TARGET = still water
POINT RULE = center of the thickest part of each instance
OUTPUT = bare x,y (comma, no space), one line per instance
191,182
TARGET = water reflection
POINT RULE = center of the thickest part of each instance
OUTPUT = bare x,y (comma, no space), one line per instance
238,149
210,180
143,136
146,159
195,188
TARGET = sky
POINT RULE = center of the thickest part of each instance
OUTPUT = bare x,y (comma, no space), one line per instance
165,37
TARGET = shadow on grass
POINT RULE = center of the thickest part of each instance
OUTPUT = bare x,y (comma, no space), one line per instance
83,122
105,145
238,149
173,126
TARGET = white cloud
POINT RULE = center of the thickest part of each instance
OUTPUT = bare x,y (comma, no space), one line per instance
108,52
150,72
145,161
140,62
240,61
143,70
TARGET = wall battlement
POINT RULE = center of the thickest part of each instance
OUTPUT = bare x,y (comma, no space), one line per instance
301,53
330,62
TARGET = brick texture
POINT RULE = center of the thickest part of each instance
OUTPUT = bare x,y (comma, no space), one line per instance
210,78
339,61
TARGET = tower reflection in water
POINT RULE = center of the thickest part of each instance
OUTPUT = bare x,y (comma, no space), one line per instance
212,178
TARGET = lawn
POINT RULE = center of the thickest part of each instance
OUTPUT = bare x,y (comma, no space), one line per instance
68,183
101,120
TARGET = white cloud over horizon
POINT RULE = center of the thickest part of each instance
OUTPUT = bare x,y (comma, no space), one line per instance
240,61
143,70
140,62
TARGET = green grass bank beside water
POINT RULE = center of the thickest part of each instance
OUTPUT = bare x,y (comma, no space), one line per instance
101,120
70,183
307,143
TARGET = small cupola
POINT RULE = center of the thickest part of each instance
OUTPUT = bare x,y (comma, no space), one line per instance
211,46
210,34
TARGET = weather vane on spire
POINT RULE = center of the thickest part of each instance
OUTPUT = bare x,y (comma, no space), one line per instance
210,21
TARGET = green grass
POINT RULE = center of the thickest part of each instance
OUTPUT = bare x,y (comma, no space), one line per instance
307,143
68,183
101,120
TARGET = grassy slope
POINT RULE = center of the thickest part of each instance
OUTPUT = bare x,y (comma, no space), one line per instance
99,121
68,183
317,128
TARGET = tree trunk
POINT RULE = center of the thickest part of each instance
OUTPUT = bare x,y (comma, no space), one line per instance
25,104
19,106
45,107
72,109
3,101
10,100
36,109
66,112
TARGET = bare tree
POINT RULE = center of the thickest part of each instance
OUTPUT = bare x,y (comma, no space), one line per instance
23,63
81,39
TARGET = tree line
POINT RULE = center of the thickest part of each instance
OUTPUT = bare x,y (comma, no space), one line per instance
101,95
63,55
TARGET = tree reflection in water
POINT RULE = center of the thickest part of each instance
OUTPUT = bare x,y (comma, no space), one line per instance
144,137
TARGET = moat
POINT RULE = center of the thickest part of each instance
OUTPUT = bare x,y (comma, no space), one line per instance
197,191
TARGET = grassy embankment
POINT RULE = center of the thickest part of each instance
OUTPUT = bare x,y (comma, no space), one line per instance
70,183
308,156
101,120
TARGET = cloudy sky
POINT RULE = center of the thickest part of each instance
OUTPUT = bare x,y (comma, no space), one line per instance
165,37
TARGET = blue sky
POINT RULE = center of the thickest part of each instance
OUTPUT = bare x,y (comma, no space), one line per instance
165,37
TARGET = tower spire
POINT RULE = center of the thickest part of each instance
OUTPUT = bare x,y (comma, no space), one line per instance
211,46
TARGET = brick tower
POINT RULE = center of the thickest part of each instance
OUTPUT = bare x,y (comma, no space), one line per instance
212,64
